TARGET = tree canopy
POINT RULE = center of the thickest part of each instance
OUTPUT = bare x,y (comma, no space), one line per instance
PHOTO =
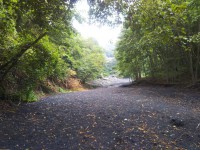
160,39
38,43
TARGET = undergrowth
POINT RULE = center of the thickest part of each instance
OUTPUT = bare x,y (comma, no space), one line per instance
46,88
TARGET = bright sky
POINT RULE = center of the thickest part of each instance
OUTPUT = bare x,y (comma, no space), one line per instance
105,35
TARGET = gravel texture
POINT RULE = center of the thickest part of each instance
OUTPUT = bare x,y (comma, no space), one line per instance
115,118
110,81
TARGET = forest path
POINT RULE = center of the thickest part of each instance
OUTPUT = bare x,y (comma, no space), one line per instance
139,117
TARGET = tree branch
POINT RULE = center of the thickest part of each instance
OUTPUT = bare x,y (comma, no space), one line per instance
13,61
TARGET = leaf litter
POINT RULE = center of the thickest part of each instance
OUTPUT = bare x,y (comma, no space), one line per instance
107,118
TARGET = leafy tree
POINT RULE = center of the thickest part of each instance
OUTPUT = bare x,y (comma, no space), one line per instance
158,38
31,36
87,58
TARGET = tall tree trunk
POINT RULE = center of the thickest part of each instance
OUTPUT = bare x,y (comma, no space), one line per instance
151,64
197,60
5,69
191,67
197,63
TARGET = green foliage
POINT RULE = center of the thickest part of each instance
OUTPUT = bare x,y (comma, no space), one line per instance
28,95
108,11
161,40
110,67
87,59
38,44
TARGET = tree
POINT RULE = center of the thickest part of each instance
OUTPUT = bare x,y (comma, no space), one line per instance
87,58
24,23
160,38
31,34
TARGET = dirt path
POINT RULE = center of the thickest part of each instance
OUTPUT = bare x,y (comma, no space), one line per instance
109,81
108,118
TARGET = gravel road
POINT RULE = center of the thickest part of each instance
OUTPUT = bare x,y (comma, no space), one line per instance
115,118
110,81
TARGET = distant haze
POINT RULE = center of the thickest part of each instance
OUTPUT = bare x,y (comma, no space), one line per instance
105,35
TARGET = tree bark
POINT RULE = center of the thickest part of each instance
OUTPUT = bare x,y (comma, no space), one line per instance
197,60
5,69
191,67
197,63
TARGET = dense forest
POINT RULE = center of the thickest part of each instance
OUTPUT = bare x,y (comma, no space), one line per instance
40,50
38,44
160,39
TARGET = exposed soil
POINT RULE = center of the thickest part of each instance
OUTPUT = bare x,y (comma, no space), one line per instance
138,117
